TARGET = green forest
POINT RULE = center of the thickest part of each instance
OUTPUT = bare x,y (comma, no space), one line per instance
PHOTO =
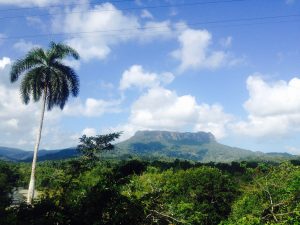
92,190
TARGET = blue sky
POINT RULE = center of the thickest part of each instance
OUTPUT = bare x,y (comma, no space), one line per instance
230,67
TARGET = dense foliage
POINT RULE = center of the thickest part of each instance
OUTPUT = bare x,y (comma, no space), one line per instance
272,197
8,180
152,192
139,192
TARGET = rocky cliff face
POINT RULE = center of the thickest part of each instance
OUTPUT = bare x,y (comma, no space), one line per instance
199,146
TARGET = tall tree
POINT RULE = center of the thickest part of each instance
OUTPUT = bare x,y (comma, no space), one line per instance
45,76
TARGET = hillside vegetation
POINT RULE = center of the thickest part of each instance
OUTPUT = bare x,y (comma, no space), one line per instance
90,190
200,146
157,192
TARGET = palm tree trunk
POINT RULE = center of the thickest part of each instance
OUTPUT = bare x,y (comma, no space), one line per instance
31,187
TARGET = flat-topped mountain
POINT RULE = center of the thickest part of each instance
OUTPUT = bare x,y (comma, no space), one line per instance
199,146
174,137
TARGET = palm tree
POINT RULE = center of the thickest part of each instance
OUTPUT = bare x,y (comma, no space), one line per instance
46,77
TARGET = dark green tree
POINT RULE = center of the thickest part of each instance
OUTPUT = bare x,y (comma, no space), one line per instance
8,180
45,76
91,147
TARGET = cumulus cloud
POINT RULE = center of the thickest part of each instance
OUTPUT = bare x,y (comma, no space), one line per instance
89,131
136,76
162,109
92,107
195,50
102,17
276,98
95,30
98,20
4,62
273,108
212,118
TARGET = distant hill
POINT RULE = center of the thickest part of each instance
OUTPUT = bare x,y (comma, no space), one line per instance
200,146
14,154
55,154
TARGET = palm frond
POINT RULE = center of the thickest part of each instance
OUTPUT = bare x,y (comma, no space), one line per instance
60,51
70,75
31,85
33,58
58,92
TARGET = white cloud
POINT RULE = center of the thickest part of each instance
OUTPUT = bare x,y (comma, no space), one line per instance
194,51
89,131
278,98
4,62
75,64
146,14
11,123
106,24
92,107
163,109
213,119
262,127
136,76
273,108
24,46
102,17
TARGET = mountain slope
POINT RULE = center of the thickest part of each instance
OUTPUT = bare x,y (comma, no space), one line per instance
200,146
14,154
55,155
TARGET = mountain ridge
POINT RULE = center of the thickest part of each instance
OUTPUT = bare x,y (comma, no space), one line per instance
197,146
19,155
156,135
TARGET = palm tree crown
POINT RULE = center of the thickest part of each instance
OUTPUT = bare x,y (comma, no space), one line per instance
46,74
